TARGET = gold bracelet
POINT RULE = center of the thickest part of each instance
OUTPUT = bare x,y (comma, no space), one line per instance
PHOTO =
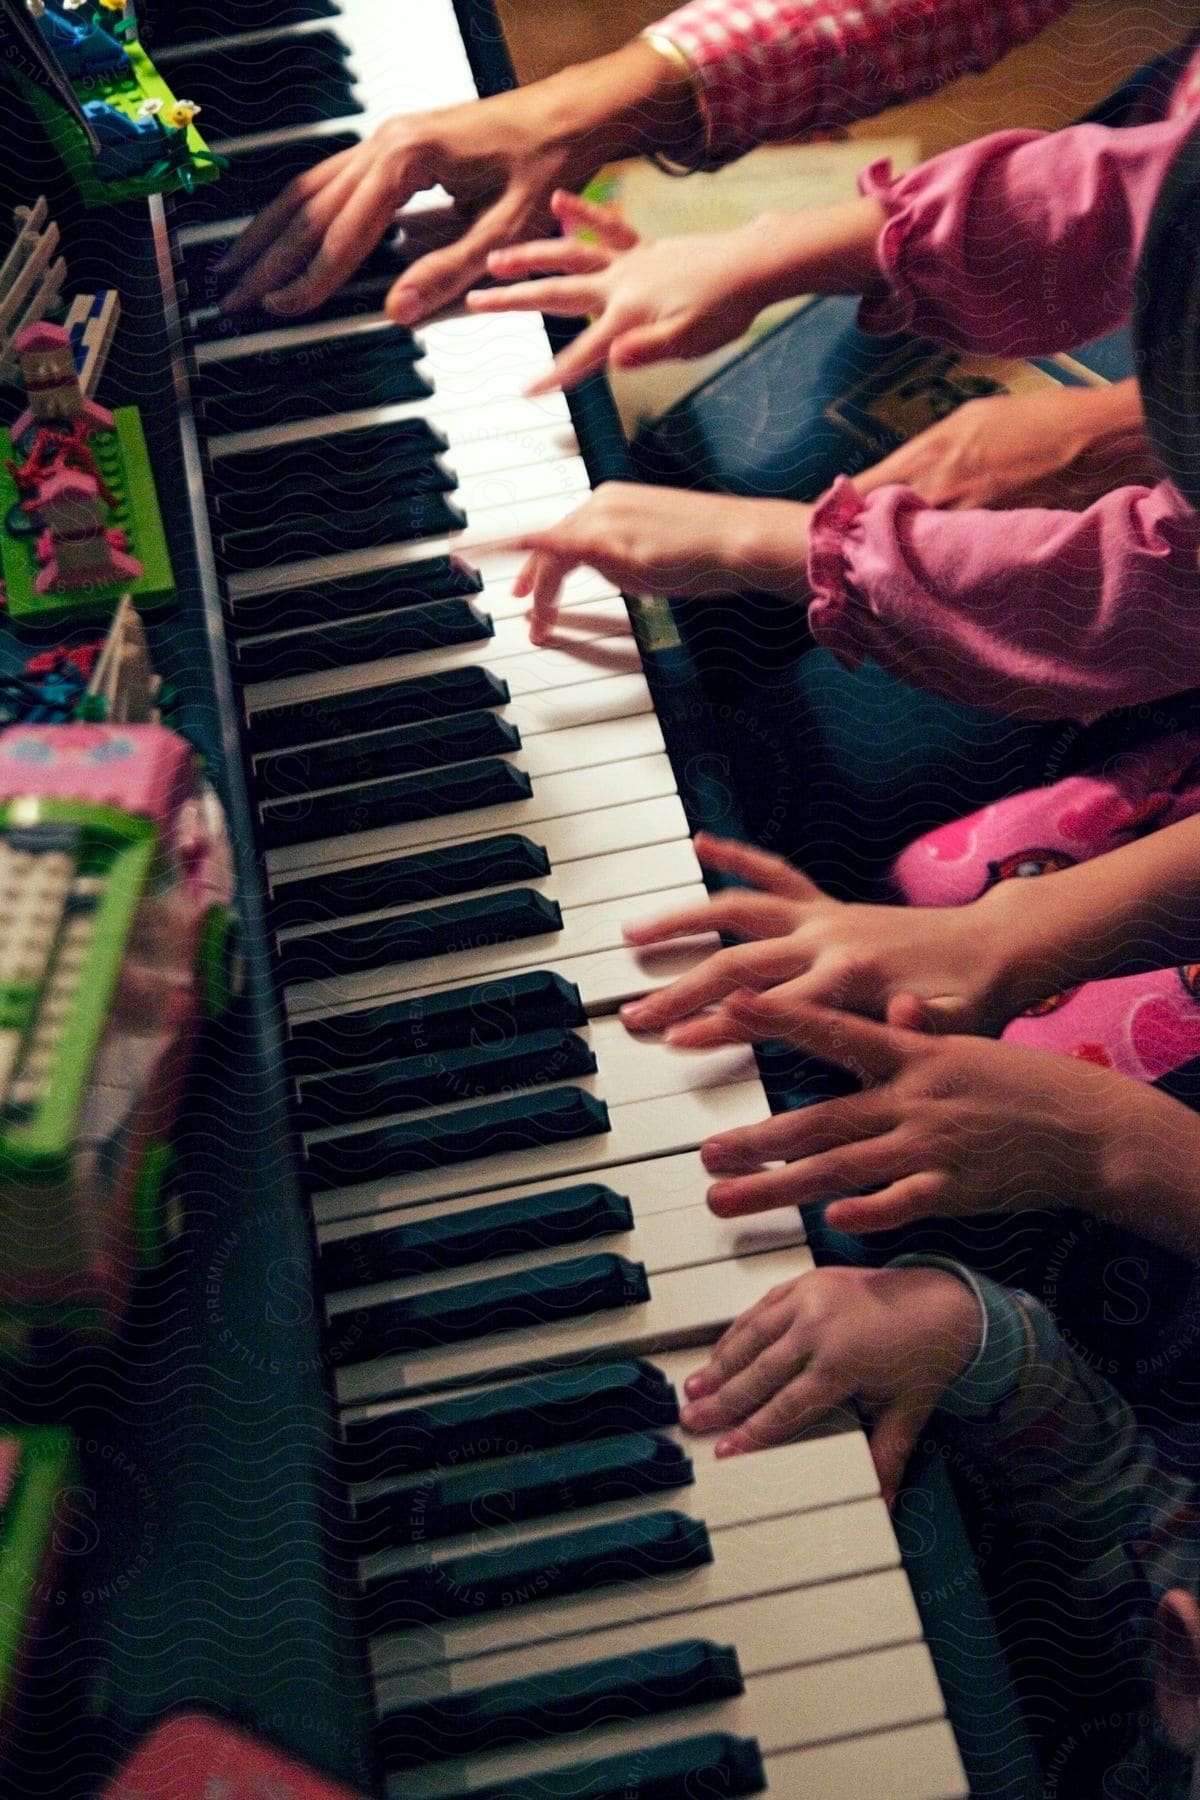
666,46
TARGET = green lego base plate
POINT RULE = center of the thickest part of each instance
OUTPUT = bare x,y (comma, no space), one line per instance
179,169
125,465
30,1511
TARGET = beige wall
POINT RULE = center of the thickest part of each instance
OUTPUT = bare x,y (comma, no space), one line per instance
1048,82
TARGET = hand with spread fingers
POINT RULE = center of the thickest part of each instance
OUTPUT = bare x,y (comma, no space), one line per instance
671,541
949,1126
808,947
499,159
677,297
890,1341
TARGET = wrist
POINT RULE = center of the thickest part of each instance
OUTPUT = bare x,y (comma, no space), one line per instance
829,250
634,102
772,547
1148,1166
952,1302
1027,942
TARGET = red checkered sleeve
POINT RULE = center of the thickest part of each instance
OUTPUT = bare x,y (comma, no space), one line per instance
770,69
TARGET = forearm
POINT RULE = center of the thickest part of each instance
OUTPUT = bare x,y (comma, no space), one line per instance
1137,907
830,250
1035,613
778,69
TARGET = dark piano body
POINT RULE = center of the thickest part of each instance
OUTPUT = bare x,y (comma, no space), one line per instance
208,1556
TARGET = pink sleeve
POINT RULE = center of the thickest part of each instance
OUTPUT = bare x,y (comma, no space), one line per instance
1020,243
1044,615
769,69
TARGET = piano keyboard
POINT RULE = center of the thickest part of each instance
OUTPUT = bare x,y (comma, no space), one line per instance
561,1593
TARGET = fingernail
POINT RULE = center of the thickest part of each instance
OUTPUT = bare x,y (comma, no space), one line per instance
270,303
728,1446
633,1010
700,1385
676,1034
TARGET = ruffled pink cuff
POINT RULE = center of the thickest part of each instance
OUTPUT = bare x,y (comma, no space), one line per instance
831,612
886,313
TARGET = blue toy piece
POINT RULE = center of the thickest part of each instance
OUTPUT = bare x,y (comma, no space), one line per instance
127,146
83,51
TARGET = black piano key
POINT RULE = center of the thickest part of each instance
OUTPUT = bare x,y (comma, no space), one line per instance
298,365
308,481
267,85
327,386
560,1702
385,590
411,470
556,1407
165,23
397,750
477,1309
523,1123
403,880
254,177
715,1765
486,1013
437,794
409,937
291,530
338,645
530,1487
573,1215
393,703
573,1562
338,456
409,1083
361,298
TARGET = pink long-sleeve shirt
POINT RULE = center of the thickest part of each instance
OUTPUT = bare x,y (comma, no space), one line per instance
770,69
1018,244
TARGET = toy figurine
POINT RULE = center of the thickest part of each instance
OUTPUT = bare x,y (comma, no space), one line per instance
78,549
52,384
61,551
82,51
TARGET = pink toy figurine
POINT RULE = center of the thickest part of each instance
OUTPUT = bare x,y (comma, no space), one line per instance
77,548
52,384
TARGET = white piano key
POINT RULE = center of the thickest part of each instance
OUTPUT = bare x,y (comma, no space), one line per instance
555,753
690,1306
633,873
667,1184
772,1631
585,931
920,1763
554,797
663,1243
582,703
779,1555
782,1711
640,825
586,656
509,638
637,1131
629,1071
721,1495
456,419
666,1073
495,524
